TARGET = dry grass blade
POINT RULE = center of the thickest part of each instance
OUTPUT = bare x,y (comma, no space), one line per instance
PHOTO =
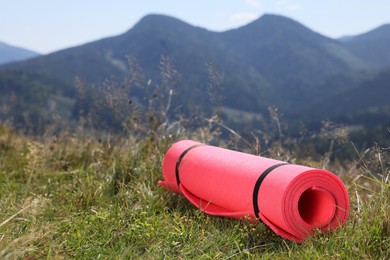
14,215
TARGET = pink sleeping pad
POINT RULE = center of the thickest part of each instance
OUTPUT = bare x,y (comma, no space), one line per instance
291,199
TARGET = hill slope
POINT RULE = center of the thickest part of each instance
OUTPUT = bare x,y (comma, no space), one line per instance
10,53
292,57
368,96
271,61
373,46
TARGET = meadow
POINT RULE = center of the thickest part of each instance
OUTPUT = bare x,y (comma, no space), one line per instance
86,195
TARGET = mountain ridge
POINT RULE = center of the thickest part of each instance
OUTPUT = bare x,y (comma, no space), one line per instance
10,53
372,46
272,61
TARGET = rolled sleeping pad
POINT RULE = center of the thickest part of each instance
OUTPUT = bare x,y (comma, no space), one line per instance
291,199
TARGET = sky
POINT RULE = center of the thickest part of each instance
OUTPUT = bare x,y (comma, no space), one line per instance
46,26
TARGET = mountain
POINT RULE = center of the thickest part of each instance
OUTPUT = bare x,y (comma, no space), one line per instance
10,53
272,61
291,57
369,93
373,46
363,108
345,38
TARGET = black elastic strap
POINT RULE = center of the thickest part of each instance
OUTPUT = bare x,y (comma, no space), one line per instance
181,158
258,184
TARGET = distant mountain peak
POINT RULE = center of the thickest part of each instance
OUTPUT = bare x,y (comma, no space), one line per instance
273,60
378,32
274,19
372,46
274,22
381,31
385,26
270,25
269,16
9,53
158,20
382,28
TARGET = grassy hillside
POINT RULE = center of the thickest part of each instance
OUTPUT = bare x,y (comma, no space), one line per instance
77,194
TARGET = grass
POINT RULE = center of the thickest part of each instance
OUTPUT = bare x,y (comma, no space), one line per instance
78,196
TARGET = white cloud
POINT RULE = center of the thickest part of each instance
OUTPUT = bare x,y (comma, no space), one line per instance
288,5
243,17
281,2
253,3
294,6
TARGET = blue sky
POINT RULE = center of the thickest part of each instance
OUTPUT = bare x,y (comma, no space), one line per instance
48,25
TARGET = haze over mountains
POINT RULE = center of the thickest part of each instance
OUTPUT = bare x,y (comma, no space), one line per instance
372,47
273,61
10,53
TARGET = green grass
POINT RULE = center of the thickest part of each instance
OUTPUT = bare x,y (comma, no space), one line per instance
88,198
